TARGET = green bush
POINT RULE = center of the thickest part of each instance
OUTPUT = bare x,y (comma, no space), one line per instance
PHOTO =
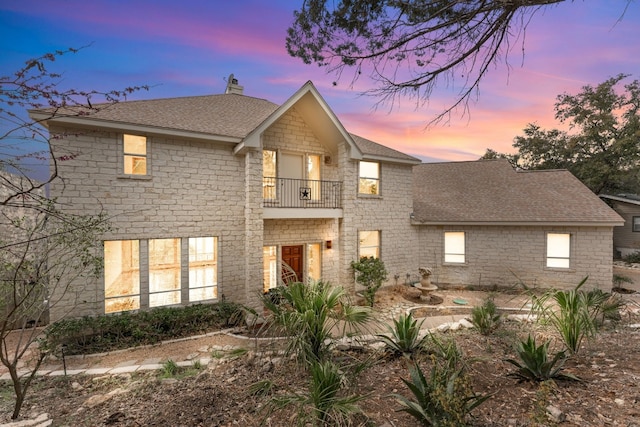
485,317
632,258
404,336
370,273
534,363
116,331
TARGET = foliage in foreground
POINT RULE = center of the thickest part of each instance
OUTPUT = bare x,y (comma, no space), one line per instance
310,314
534,363
325,402
575,314
445,399
404,336
117,331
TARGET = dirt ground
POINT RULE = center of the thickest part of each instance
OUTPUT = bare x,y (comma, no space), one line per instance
220,394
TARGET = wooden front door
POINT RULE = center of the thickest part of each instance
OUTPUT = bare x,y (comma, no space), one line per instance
293,257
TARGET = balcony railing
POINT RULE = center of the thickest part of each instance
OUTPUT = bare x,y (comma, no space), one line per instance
301,193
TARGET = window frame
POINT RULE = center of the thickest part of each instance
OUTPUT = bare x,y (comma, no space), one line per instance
635,224
376,180
134,298
165,268
549,252
378,247
449,252
193,266
123,154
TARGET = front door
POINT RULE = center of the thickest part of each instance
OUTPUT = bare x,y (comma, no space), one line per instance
292,256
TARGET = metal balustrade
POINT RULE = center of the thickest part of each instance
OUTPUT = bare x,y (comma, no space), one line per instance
301,193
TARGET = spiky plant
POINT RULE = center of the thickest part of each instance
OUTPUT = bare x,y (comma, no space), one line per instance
534,363
404,337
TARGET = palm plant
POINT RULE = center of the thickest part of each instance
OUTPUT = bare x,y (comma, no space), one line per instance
404,336
571,313
328,404
534,363
310,314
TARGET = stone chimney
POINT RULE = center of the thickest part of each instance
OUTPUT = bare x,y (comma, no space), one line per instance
233,86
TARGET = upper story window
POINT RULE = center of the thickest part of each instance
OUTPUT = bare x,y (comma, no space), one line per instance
369,182
636,223
454,247
135,154
269,173
558,250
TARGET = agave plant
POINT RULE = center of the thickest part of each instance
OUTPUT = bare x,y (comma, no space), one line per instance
534,363
404,336
444,400
311,314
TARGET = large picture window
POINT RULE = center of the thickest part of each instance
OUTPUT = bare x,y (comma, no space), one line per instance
164,272
121,275
135,155
203,260
369,244
454,247
369,182
558,250
270,267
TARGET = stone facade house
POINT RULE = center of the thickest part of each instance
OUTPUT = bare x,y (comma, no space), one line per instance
225,196
626,238
485,224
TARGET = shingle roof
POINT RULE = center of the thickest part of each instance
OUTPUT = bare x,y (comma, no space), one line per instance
377,150
491,191
225,115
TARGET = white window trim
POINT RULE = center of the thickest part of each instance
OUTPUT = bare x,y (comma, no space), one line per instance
548,257
451,254
378,179
121,154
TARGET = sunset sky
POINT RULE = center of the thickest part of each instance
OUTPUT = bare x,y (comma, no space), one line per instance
188,48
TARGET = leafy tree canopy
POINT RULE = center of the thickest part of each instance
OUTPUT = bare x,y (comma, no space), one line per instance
408,47
601,147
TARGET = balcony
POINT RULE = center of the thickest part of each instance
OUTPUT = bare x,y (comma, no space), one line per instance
286,197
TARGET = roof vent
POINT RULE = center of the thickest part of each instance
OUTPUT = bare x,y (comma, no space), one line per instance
233,86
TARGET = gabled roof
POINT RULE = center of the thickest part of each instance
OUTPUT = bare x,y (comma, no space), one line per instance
632,199
233,118
491,192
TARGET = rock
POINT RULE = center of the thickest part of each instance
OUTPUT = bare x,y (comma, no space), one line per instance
192,356
466,324
619,402
204,349
76,385
99,399
556,414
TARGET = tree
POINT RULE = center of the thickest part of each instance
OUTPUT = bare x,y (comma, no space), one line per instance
602,146
42,249
410,47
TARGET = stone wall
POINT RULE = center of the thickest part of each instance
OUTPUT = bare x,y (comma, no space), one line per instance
506,256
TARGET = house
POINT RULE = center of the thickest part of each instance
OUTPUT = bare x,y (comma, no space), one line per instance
209,197
626,238
225,196
485,224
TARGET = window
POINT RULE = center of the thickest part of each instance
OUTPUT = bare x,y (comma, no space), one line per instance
203,260
558,250
369,178
121,275
135,155
636,223
314,254
164,272
269,171
454,247
270,267
313,175
369,244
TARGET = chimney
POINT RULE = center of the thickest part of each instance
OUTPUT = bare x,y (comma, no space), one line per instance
233,86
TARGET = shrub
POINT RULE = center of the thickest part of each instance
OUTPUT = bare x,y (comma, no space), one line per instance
405,336
116,331
310,315
169,368
632,258
534,363
370,273
485,317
